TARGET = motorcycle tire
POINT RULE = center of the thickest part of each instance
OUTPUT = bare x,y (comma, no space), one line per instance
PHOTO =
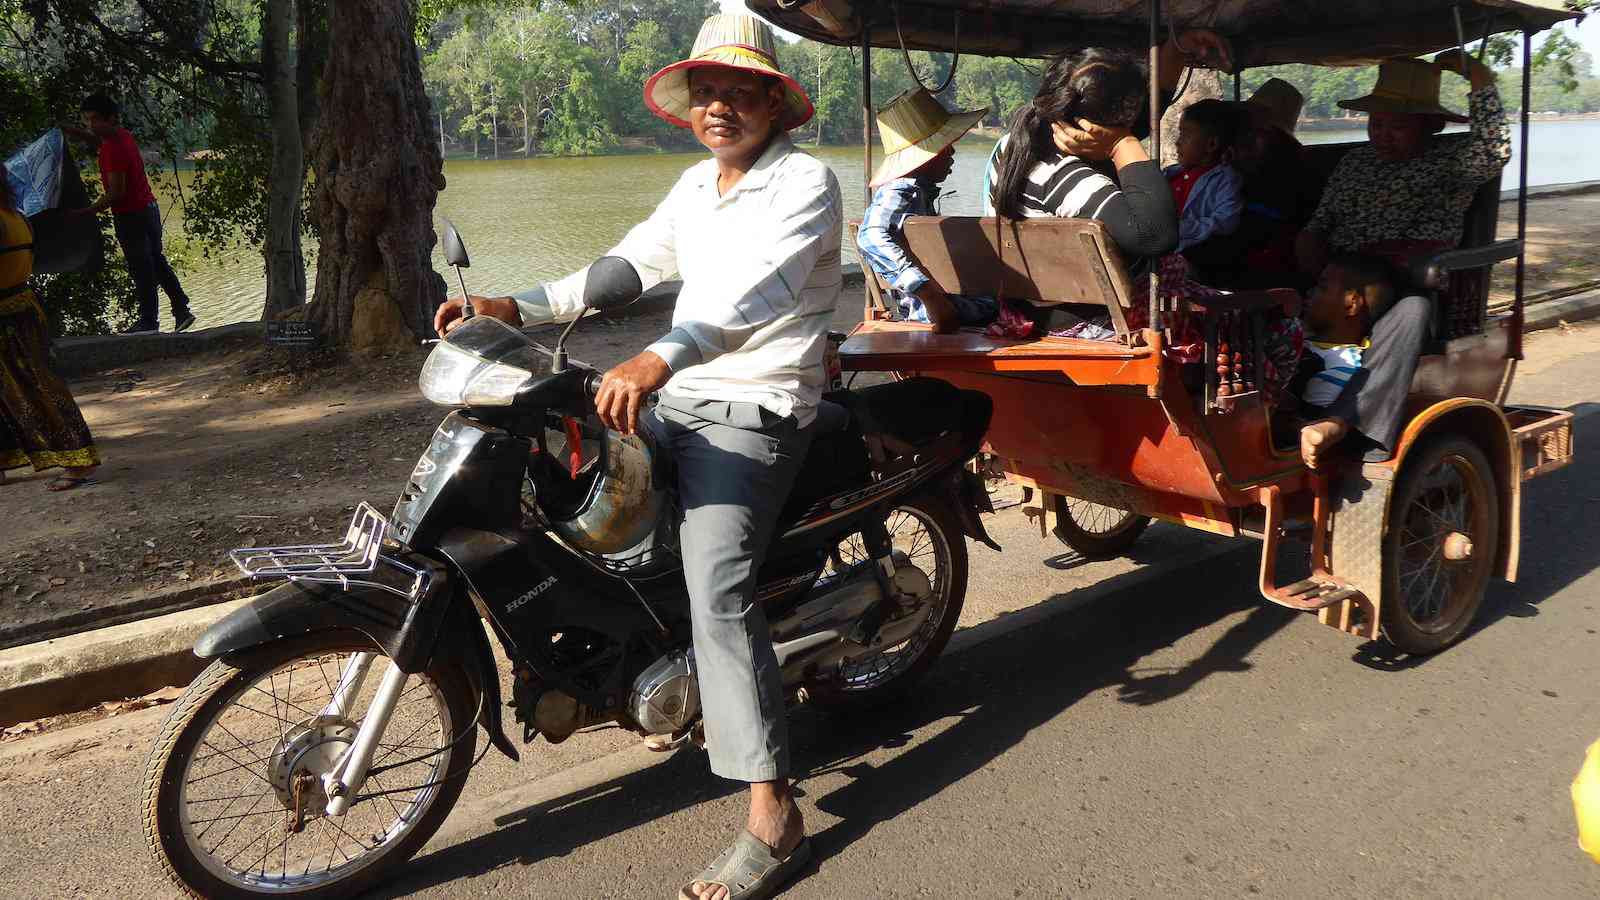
941,524
214,693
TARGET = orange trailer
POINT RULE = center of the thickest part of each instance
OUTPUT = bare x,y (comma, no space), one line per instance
1111,434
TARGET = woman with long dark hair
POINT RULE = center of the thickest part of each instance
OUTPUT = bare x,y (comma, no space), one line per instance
1092,108
39,422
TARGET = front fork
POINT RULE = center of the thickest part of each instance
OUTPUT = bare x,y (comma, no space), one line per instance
347,776
880,548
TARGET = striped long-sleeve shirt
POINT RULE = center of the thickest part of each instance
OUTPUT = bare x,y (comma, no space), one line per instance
761,278
1139,212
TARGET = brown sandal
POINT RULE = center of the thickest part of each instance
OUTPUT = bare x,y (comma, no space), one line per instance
68,482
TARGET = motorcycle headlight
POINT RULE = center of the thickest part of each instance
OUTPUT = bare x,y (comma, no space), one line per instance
453,376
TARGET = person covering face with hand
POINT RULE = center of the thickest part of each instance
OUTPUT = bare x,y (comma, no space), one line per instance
754,234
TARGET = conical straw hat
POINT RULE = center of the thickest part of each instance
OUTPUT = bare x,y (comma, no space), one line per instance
1405,86
915,127
735,41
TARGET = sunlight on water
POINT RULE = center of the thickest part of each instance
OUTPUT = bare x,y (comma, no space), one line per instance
528,220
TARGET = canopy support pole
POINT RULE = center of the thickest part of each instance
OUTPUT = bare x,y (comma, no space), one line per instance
1155,140
1238,88
1522,197
866,108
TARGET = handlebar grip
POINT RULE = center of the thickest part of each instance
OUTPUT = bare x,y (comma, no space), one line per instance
591,384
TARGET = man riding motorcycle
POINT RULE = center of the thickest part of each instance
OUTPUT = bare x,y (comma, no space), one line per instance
754,234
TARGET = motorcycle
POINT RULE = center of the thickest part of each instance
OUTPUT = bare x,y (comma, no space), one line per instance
338,720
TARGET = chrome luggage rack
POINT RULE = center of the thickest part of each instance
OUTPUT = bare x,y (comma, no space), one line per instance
338,564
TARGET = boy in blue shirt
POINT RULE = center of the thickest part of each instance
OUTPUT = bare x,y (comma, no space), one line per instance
919,137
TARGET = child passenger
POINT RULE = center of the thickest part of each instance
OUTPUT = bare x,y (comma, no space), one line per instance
1206,189
1352,293
919,137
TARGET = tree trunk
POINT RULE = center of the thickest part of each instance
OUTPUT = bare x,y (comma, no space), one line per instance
494,123
378,172
285,259
441,134
527,128
1205,83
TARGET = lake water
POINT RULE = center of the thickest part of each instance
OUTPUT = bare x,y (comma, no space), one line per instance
527,220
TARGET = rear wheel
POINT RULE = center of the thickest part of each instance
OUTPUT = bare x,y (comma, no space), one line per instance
233,806
1439,548
925,530
1097,531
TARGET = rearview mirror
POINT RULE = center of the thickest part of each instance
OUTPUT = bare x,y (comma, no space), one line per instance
455,251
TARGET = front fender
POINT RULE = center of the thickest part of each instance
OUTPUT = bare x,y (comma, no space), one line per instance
442,627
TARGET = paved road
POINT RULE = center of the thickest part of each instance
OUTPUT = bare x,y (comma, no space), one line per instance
1139,728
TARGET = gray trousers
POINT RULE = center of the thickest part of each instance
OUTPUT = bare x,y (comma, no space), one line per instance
1374,401
736,463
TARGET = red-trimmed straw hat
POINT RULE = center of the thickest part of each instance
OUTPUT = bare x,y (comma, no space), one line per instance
734,41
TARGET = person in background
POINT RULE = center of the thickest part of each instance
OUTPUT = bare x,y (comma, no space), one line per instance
1206,189
1281,191
1403,195
907,183
39,422
135,212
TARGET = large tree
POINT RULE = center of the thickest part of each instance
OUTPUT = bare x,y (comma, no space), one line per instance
378,171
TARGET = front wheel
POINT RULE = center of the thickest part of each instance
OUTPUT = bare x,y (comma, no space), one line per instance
924,529
232,799
1439,548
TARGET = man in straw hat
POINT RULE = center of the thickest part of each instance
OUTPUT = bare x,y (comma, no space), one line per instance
754,233
1403,195
919,137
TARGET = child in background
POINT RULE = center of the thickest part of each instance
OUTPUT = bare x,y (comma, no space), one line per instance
919,137
1207,190
1352,293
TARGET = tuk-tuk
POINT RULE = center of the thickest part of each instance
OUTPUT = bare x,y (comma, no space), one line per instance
1406,547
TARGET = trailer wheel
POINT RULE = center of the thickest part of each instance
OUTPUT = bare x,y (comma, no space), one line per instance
1439,548
1097,531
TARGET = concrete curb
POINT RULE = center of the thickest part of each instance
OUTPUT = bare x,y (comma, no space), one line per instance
77,672
98,617
1569,309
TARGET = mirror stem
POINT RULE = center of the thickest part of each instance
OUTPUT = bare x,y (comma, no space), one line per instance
466,299
558,357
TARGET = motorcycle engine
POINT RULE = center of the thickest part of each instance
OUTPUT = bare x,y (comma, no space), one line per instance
666,696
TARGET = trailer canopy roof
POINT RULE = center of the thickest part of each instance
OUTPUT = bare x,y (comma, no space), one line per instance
1264,32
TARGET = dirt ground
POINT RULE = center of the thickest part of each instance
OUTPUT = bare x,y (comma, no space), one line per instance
237,448
249,447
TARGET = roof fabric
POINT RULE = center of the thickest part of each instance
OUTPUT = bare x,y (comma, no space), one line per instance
1264,32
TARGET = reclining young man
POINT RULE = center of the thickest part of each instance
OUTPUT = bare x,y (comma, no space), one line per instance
1402,195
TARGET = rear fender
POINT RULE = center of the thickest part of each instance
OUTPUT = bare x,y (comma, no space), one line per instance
1484,424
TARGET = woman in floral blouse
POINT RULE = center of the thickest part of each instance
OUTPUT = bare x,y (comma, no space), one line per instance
1404,194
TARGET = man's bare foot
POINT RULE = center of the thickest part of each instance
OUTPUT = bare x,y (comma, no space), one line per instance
775,820
1318,438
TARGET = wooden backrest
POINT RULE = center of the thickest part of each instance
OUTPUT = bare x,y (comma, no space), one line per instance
1043,261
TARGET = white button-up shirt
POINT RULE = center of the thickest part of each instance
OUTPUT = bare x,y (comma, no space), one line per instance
761,278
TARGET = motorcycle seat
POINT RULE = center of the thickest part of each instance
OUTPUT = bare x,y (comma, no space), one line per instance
917,410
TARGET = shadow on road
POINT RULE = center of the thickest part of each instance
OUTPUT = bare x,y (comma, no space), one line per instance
988,698
995,693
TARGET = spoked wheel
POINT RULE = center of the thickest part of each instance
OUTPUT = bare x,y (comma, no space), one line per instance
1439,549
924,529
233,798
1097,531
